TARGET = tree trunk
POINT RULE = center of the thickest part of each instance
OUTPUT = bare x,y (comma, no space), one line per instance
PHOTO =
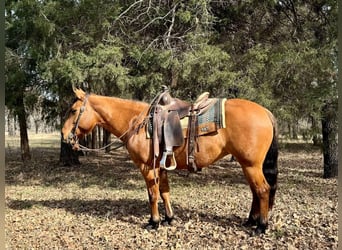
10,125
94,138
106,140
68,156
330,139
174,77
99,129
24,142
295,130
88,141
36,124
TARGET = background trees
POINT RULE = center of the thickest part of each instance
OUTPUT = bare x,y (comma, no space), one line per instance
282,54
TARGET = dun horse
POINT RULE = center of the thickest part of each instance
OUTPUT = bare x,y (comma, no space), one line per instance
250,135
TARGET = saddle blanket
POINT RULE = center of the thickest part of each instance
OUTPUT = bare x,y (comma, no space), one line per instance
208,122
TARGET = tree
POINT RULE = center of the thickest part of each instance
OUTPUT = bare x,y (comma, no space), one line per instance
210,68
28,42
280,54
68,156
16,81
330,140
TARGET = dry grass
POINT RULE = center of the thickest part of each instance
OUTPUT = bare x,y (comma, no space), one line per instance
102,204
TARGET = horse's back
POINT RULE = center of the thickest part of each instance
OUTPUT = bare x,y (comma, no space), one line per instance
245,110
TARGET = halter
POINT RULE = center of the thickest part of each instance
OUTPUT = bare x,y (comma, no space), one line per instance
72,135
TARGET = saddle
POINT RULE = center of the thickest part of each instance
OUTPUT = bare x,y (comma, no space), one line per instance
166,113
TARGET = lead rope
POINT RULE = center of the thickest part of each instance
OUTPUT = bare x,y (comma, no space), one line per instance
86,149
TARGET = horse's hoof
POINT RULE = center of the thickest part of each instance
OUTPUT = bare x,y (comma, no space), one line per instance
149,227
169,222
165,223
261,229
250,223
152,225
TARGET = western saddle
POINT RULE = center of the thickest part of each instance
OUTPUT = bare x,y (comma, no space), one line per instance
166,113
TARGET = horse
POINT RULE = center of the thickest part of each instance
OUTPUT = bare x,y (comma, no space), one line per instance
250,136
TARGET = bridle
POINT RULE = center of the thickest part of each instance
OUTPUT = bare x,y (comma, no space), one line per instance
74,140
72,137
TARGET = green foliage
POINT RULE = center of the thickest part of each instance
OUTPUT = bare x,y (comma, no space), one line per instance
281,54
148,70
184,16
29,42
301,83
100,68
208,68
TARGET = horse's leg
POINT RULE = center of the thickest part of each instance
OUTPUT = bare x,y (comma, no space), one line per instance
261,190
152,184
165,194
254,214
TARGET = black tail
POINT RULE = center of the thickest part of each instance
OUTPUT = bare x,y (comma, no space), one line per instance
270,165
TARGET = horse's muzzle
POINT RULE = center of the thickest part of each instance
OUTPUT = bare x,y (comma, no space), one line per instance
71,138
66,139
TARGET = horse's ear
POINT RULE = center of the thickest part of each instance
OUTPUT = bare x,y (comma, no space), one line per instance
80,94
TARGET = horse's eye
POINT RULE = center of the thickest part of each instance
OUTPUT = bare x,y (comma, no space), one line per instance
73,111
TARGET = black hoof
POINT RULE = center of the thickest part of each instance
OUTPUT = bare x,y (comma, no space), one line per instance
250,222
259,231
169,221
152,225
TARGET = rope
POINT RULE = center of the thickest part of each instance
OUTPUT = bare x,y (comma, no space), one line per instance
86,149
154,102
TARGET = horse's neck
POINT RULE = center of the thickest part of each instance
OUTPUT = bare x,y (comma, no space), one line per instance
114,113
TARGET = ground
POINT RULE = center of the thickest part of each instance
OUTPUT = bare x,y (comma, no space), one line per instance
103,203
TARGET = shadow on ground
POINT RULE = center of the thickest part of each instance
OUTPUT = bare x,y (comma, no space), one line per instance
126,210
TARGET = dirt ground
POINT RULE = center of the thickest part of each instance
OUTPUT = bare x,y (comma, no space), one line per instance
103,204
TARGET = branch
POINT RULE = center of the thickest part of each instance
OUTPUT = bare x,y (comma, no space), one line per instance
171,26
151,43
128,9
147,10
153,20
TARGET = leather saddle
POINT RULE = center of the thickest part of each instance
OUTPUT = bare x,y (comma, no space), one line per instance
166,113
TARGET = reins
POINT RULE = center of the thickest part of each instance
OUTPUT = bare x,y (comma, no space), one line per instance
152,104
86,149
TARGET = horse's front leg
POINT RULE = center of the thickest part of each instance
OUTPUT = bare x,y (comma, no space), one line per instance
152,184
165,194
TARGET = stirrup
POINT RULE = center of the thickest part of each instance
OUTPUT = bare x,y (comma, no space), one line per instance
173,164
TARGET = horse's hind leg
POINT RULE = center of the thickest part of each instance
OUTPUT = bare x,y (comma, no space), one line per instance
254,214
260,204
165,194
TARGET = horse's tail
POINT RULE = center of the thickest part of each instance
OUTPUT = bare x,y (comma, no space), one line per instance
270,165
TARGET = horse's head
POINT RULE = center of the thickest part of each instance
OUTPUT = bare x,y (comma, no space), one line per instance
81,119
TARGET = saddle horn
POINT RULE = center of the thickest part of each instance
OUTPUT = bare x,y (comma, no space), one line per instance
164,88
